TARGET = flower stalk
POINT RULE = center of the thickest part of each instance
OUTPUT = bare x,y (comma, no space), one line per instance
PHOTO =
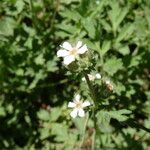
93,95
84,130
90,87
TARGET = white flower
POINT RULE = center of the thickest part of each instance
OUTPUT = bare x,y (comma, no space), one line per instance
78,107
92,77
98,76
70,53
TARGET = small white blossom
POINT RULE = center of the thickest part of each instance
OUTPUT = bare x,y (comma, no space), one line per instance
92,77
98,76
69,52
78,107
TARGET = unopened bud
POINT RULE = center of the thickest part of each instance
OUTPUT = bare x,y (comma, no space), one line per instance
109,85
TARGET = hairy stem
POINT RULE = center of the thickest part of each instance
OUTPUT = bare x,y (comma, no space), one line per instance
94,132
93,95
84,129
90,88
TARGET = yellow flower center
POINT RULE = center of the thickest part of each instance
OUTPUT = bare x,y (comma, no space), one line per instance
73,52
78,104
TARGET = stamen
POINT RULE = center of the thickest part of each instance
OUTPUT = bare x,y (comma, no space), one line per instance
73,52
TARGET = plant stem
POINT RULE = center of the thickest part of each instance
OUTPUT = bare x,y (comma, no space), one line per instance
84,129
94,108
93,140
95,127
90,88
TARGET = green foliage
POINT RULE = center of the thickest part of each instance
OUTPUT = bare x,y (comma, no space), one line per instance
34,85
105,116
112,66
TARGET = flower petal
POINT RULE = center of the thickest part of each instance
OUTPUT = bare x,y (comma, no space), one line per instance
71,104
86,103
62,53
82,50
77,98
73,114
79,44
67,46
83,79
91,77
81,113
107,82
98,76
68,59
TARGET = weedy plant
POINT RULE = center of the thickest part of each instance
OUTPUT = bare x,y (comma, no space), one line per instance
96,95
82,61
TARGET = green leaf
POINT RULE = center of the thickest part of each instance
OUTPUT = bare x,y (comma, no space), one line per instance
19,5
105,116
125,32
106,25
7,26
2,111
105,47
103,119
43,115
120,114
62,34
44,133
135,61
147,15
99,8
38,76
93,45
72,138
19,72
113,65
60,131
71,15
68,28
125,111
124,50
39,60
117,14
28,42
55,113
119,88
89,25
120,17
51,65
79,123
